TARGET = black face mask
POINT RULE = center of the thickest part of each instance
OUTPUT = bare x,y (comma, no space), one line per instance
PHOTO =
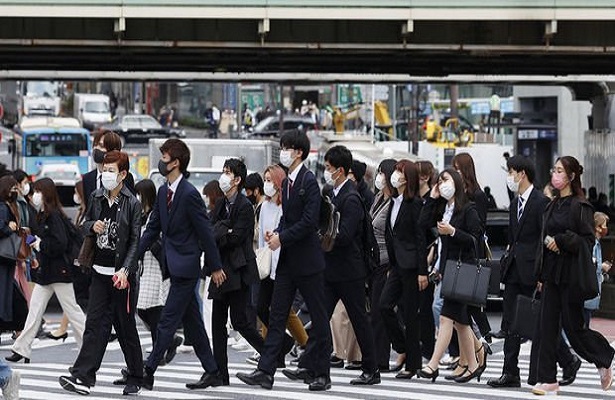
162,168
98,156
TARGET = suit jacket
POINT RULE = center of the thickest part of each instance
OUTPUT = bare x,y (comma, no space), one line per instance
524,239
186,232
234,239
301,253
345,261
89,185
406,243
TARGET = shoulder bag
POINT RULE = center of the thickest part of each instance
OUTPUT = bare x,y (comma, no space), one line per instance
10,247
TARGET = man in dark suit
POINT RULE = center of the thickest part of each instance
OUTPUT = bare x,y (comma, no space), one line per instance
179,213
345,271
301,266
233,220
525,224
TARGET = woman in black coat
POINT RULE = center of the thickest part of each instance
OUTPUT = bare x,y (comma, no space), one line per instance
568,236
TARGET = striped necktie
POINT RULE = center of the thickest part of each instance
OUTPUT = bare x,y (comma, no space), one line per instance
520,208
169,198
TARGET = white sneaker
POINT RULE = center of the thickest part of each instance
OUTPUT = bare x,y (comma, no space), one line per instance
241,345
185,349
11,390
254,359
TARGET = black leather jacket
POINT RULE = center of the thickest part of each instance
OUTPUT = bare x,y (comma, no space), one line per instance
129,220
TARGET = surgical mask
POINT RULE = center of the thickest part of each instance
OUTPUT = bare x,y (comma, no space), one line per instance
225,182
447,190
396,180
37,200
513,186
380,181
286,158
559,181
269,189
98,156
162,168
26,189
76,199
329,178
109,180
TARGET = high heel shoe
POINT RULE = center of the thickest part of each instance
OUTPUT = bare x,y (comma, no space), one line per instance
62,336
399,366
425,373
17,358
453,376
482,366
467,378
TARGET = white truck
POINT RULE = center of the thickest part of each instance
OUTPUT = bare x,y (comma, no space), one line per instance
92,110
40,98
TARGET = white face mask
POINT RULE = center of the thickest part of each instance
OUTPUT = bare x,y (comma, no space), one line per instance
77,200
329,178
37,200
26,189
396,179
447,190
269,189
512,185
225,182
286,158
380,180
110,180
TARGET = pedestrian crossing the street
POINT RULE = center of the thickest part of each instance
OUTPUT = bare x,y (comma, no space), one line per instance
50,359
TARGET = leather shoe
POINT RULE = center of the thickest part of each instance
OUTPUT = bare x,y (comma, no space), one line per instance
569,374
148,379
256,378
367,378
172,351
299,374
320,384
206,381
499,334
506,380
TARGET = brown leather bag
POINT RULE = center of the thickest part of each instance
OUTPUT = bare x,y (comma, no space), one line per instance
25,251
86,253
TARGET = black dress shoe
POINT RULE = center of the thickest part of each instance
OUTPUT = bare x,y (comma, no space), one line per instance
148,379
206,381
123,381
367,379
336,362
320,384
15,357
131,390
299,374
506,380
256,378
569,374
499,334
172,351
354,365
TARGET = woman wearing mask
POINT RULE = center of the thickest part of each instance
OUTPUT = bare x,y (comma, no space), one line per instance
270,214
27,221
459,226
379,213
211,194
113,219
568,236
53,275
405,241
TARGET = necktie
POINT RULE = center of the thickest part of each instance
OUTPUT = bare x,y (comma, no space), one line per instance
520,208
290,186
169,198
99,182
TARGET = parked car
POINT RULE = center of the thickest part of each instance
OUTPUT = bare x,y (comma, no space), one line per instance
65,177
270,126
141,128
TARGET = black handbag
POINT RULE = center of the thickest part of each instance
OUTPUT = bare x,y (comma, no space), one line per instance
9,246
527,312
466,283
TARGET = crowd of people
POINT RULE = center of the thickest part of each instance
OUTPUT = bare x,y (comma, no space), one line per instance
141,253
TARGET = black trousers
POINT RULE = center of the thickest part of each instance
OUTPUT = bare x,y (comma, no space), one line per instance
402,288
588,344
382,343
265,295
182,306
108,307
512,343
235,302
479,316
352,295
318,349
428,327
151,317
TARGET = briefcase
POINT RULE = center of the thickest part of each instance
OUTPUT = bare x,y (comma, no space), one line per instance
494,279
466,283
527,312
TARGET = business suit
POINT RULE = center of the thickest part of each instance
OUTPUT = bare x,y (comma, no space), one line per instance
233,232
301,266
90,185
406,245
346,272
186,233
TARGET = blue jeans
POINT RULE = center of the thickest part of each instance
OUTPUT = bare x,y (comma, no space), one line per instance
437,305
5,373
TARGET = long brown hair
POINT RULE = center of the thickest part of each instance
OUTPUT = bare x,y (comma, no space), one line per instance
51,200
571,166
464,163
411,174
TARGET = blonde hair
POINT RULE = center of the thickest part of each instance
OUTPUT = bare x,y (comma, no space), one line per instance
600,218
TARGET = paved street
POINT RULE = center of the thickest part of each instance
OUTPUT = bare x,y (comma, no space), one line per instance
51,359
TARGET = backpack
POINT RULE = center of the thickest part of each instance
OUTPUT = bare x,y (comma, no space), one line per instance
369,244
328,219
75,240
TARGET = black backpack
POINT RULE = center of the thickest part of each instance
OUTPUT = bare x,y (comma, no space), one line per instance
75,240
328,219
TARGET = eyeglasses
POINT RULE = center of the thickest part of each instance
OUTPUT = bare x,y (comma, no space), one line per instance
557,170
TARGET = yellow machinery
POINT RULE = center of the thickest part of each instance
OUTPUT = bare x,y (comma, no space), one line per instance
449,136
348,113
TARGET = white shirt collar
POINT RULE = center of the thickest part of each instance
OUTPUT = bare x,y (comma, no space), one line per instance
175,184
526,194
293,175
337,189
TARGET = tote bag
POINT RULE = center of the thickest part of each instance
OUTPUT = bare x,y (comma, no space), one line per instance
465,282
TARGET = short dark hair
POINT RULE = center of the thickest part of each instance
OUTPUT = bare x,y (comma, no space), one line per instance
298,141
521,163
119,157
238,168
110,140
255,181
177,150
147,190
20,175
358,169
339,157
